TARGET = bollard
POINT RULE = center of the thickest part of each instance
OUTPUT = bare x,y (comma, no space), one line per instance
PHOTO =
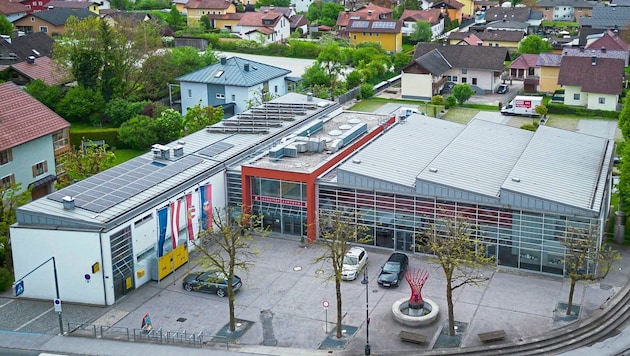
620,227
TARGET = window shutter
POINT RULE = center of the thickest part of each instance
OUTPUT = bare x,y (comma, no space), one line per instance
12,178
45,166
10,154
34,168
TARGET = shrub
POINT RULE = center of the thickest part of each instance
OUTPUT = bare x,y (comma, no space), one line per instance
530,127
6,279
367,91
450,101
437,100
579,111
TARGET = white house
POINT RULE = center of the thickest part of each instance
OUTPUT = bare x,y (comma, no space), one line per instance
264,27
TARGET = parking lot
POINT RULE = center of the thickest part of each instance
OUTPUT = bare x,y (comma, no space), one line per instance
283,295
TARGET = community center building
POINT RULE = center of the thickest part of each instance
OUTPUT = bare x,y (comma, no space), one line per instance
297,155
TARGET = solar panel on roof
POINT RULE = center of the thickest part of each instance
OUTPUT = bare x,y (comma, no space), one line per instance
360,24
216,148
109,188
384,25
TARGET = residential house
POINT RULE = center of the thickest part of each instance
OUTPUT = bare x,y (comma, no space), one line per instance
32,138
301,6
434,17
195,9
127,18
227,22
51,21
483,5
615,18
468,10
597,52
264,27
366,12
180,5
299,23
564,10
464,38
510,18
19,48
501,38
451,8
434,65
525,68
592,82
609,40
387,33
288,11
549,69
233,83
93,6
39,68
13,10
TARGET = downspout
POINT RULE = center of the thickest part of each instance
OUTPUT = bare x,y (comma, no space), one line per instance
100,239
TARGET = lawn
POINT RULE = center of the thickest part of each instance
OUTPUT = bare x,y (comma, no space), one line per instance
368,105
123,155
460,115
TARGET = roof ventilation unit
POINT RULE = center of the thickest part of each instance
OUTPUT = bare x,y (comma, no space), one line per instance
433,170
514,179
68,202
178,151
160,151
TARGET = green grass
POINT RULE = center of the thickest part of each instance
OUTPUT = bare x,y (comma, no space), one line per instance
460,115
368,105
123,155
559,24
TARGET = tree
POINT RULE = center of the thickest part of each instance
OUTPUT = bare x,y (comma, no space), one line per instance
534,44
168,127
175,19
460,254
353,79
10,199
367,90
585,259
82,105
118,111
6,27
541,110
324,13
197,118
314,75
134,133
49,95
422,32
331,60
462,92
86,161
401,60
227,246
277,3
338,232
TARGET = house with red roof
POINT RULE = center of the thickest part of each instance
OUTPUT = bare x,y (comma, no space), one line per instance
464,38
13,10
32,139
434,17
592,82
366,12
608,40
195,9
525,68
39,68
264,27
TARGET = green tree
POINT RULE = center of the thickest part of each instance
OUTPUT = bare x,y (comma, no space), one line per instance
338,232
119,111
278,3
324,13
168,127
49,95
401,60
175,19
82,105
197,118
367,90
354,79
134,133
84,162
534,44
462,92
422,32
205,21
228,246
541,110
460,254
314,75
331,59
10,199
585,259
6,27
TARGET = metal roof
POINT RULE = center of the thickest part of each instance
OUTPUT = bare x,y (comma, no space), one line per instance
479,159
562,166
403,151
235,71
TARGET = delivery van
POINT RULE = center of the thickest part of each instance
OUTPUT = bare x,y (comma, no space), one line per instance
522,105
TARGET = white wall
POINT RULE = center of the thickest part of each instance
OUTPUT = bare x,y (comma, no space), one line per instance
610,101
416,86
198,92
241,95
569,92
25,156
75,252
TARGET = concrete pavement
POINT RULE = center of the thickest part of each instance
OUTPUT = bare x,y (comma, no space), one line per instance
286,285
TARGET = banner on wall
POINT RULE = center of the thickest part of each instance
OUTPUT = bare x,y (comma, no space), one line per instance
162,223
206,206
175,208
190,216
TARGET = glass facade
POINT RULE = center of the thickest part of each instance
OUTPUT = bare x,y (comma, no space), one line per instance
282,204
516,238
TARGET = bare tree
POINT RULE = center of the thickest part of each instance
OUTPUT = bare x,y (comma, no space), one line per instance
227,246
460,254
585,259
338,231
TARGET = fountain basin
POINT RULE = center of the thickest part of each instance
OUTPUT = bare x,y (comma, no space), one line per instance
400,309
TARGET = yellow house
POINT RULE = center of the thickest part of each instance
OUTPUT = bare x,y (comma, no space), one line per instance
502,38
387,33
51,21
452,8
549,64
195,9
226,21
180,5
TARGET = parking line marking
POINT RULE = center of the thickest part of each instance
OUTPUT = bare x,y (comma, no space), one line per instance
7,303
32,320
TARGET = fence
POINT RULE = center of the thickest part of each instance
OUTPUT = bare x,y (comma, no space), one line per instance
159,336
349,95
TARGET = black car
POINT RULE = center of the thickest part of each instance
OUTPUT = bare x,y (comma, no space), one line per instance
503,88
210,282
393,270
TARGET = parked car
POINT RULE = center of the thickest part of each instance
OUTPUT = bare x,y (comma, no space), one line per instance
210,282
353,262
447,88
393,270
503,88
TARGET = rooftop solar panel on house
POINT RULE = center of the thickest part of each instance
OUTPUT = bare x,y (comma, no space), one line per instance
360,24
216,148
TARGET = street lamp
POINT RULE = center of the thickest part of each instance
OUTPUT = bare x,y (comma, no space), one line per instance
367,313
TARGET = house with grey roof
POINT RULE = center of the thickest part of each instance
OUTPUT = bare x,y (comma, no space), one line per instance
234,83
615,18
509,18
51,21
433,65
18,49
564,10
548,65
592,82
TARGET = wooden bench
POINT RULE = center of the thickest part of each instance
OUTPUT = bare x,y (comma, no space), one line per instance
492,335
412,337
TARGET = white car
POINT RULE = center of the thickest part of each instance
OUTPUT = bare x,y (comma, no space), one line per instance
353,262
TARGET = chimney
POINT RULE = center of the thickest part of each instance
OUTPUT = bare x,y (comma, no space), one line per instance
246,67
68,202
30,60
223,60
593,60
369,12
309,96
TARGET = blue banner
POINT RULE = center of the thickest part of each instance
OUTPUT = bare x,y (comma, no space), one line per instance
162,222
206,206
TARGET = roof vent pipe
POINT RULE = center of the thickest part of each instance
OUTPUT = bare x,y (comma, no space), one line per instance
246,67
30,60
68,202
223,60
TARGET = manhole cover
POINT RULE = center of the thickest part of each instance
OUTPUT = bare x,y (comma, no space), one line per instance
181,320
297,268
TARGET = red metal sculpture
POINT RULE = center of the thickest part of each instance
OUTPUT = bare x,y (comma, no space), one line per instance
416,278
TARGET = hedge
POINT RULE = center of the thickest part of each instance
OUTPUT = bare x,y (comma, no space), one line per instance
580,111
109,135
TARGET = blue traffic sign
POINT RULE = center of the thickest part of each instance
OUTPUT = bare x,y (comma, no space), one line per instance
19,288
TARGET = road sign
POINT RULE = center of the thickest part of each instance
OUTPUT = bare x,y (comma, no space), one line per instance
325,304
19,288
57,305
